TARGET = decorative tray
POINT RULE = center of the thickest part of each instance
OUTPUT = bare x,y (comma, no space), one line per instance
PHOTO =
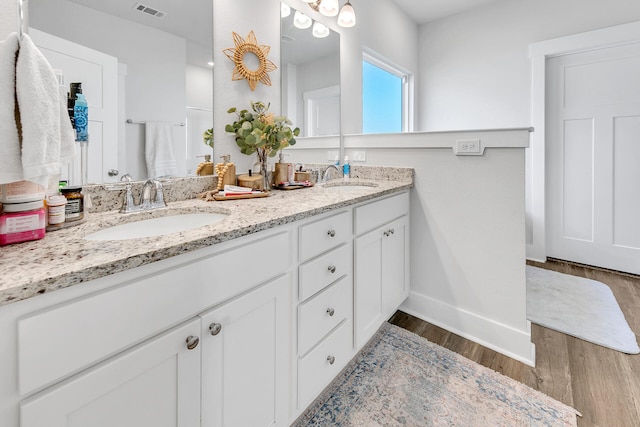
241,196
293,185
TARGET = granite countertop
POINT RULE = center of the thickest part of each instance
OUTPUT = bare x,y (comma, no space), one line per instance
63,258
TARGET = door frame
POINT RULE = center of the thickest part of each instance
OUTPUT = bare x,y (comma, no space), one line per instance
535,155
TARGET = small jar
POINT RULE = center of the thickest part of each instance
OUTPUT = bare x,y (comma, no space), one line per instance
21,222
74,209
56,209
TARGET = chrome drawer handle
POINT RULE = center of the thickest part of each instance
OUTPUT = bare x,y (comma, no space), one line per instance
331,311
332,268
331,360
215,328
332,233
192,342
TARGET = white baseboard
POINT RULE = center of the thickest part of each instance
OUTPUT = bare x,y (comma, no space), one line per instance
502,338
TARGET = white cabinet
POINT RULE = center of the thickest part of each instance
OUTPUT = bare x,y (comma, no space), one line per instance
156,383
381,266
245,367
325,303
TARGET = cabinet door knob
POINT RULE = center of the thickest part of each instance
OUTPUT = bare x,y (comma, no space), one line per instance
113,172
192,342
392,231
332,268
331,360
331,233
386,233
215,328
331,311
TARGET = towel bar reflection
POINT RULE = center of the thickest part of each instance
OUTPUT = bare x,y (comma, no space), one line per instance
20,19
131,122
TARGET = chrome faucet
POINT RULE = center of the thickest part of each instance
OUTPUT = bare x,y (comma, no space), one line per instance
326,173
147,202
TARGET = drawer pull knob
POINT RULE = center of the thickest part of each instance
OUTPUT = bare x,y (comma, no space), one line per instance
331,360
215,328
332,268
392,231
331,233
331,311
192,342
386,233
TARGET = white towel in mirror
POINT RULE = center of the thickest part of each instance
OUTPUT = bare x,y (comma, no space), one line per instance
158,150
10,161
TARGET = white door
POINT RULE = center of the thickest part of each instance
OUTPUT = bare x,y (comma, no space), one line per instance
157,383
593,157
98,73
245,361
322,111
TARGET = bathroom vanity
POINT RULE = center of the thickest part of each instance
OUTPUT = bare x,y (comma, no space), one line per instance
242,322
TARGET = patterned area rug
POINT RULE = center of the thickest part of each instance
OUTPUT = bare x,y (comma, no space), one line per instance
401,379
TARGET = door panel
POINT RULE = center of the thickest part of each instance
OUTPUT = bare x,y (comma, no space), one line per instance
593,152
157,383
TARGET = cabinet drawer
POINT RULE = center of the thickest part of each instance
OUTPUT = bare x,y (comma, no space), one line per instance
324,312
142,302
320,236
315,370
320,272
374,214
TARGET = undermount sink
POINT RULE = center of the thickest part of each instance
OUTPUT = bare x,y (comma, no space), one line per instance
349,185
154,227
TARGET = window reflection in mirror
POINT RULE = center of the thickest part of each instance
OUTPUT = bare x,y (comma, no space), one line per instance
310,78
385,103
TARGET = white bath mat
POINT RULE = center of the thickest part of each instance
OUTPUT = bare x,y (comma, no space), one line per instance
579,307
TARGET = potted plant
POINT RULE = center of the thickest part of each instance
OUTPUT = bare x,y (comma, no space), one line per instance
258,131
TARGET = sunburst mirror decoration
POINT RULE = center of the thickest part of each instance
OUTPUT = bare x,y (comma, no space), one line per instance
238,53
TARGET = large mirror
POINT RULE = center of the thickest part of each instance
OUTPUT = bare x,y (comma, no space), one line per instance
310,74
139,66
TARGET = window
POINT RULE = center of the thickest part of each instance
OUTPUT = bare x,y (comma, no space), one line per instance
385,102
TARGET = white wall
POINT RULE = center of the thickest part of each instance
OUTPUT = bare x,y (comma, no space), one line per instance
475,71
154,59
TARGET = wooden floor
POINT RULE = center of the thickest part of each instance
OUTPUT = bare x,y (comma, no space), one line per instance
602,384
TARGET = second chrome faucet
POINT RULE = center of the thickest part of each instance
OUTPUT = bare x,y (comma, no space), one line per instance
151,197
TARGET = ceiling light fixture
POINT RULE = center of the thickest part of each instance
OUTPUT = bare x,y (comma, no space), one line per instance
347,17
320,30
285,10
329,7
302,21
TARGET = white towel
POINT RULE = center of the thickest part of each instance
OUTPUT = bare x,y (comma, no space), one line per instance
47,143
158,150
10,160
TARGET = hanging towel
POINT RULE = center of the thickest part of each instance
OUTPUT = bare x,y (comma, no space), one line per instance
158,150
10,160
46,135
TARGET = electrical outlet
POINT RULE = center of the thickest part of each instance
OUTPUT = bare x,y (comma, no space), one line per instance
359,156
332,155
470,147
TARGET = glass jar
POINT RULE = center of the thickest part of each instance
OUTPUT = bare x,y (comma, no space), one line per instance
74,209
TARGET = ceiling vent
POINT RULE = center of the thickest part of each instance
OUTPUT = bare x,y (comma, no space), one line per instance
149,10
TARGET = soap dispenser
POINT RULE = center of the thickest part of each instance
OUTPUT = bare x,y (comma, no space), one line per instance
346,168
206,167
226,172
281,174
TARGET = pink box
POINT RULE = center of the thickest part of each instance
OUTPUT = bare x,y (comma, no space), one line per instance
16,227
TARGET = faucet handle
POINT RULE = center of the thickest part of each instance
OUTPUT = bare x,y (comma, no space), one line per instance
159,201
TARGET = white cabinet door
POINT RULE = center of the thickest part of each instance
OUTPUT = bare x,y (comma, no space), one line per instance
368,285
381,276
156,383
245,372
395,265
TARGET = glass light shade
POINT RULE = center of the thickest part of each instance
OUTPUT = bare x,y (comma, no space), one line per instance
302,21
320,30
308,1
329,7
285,10
347,17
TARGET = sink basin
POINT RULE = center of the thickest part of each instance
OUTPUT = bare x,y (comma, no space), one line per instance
154,227
349,186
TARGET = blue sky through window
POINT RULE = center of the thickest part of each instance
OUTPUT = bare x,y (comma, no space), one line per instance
381,100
